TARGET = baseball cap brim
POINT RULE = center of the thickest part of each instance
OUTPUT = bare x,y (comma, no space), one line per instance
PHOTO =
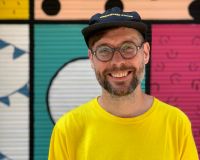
90,30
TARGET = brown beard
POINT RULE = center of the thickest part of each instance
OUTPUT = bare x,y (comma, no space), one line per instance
123,90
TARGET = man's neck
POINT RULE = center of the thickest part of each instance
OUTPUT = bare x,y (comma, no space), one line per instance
128,106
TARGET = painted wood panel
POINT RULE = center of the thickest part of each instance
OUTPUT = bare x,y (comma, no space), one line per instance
14,92
14,9
83,9
175,69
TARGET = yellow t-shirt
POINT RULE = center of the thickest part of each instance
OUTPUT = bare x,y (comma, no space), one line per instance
90,133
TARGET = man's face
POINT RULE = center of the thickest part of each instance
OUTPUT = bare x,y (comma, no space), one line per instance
120,76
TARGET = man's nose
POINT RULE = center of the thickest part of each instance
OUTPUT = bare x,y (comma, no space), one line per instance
117,58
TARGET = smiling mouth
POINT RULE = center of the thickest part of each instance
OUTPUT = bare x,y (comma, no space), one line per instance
120,74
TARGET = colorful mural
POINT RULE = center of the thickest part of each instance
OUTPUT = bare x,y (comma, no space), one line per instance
14,91
15,9
83,9
45,72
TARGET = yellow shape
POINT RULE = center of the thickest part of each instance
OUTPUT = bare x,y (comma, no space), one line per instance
14,9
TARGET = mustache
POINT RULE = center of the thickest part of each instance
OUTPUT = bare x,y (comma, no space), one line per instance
115,68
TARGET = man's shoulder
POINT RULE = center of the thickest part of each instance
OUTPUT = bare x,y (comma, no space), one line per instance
76,115
83,108
172,112
165,106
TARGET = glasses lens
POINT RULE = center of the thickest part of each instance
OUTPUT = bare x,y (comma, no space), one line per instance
104,53
128,50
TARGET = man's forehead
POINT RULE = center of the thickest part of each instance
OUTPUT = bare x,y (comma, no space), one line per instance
119,35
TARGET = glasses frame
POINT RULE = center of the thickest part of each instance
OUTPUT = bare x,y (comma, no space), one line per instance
119,50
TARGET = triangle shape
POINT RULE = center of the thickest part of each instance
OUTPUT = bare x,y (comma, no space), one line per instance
5,100
2,156
17,53
3,44
24,90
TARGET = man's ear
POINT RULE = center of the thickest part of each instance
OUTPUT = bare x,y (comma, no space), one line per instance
90,56
146,52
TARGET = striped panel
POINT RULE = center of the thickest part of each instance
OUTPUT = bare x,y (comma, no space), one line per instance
14,92
14,9
175,69
55,45
83,9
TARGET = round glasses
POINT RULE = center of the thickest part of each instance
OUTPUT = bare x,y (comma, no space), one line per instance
127,50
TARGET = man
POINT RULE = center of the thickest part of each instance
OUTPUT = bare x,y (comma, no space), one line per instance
123,123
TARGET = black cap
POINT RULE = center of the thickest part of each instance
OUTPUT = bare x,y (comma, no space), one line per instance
114,17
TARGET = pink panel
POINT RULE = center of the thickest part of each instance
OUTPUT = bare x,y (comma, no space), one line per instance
175,69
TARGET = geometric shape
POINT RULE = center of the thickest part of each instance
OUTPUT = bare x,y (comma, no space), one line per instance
159,67
194,9
164,39
18,52
172,54
175,78
194,66
51,7
2,157
24,90
73,85
5,100
196,84
52,50
3,44
83,9
14,73
14,9
16,35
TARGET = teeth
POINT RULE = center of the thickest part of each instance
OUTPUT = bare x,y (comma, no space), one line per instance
119,74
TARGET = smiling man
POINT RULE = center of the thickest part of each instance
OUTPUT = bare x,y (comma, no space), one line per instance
123,123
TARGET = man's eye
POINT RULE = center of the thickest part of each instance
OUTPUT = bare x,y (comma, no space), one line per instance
104,50
128,48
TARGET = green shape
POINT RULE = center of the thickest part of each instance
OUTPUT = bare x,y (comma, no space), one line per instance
55,44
